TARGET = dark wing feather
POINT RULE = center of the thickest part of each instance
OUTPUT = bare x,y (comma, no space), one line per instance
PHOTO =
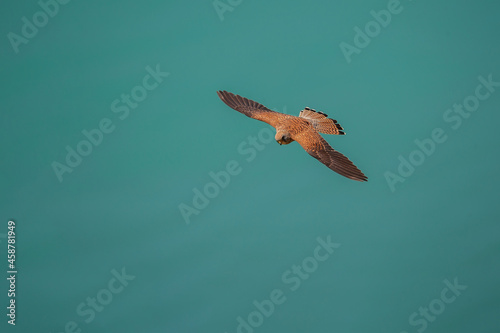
318,148
250,108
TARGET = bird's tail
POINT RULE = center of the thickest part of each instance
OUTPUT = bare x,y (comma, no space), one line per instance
321,122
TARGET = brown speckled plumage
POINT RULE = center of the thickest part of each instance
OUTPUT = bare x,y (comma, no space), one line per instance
303,129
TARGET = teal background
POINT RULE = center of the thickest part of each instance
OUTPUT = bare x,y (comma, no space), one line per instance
120,207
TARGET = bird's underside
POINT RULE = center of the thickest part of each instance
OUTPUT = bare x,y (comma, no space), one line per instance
303,129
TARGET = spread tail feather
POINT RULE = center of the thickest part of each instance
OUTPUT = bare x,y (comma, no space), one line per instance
321,122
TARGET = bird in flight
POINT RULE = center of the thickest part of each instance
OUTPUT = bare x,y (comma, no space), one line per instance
304,129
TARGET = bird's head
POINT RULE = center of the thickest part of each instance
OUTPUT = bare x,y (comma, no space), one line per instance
283,138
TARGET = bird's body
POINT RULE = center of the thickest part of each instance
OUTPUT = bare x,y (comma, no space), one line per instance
289,128
303,129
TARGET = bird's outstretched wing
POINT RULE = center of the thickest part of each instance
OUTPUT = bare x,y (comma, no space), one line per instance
317,147
250,108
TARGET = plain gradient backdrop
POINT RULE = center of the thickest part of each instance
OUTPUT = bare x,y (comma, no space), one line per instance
119,209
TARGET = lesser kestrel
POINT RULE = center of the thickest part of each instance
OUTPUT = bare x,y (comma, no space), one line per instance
303,129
